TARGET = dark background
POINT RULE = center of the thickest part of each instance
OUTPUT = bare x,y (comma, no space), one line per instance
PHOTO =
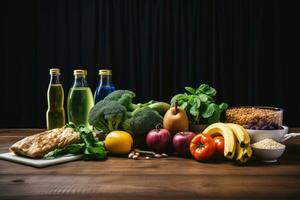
154,48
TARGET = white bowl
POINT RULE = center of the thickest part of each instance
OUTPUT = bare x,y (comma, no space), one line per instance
279,135
268,155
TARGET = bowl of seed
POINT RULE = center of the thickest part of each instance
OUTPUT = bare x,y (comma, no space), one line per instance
268,150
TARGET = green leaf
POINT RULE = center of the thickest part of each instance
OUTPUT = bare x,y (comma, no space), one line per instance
191,100
223,106
214,118
95,152
184,105
54,154
69,149
70,125
194,110
203,97
75,148
202,88
180,102
177,98
209,111
198,102
211,92
190,90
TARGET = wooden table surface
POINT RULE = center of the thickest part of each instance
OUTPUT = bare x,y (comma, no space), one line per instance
170,178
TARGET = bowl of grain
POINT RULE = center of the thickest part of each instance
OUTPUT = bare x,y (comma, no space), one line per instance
268,150
255,117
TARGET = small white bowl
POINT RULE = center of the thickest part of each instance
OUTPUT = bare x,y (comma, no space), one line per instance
279,135
268,155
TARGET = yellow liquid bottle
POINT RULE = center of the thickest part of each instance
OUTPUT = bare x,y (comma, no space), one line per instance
80,100
55,116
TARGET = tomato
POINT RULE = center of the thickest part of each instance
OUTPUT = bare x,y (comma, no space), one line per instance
219,144
118,142
202,147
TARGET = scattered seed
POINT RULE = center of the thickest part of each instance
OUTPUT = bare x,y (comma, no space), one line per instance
135,157
148,158
137,153
131,155
164,155
157,155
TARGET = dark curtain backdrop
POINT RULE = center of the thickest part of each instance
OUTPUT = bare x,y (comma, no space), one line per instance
154,48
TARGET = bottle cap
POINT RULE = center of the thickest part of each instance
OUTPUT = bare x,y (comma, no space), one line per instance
105,72
80,72
54,71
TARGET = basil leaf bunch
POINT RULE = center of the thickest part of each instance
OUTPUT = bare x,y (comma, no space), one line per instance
199,104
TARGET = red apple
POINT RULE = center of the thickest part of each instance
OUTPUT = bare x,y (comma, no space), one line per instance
158,140
181,142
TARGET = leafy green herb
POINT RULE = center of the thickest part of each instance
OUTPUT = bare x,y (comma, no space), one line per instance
200,105
89,146
70,149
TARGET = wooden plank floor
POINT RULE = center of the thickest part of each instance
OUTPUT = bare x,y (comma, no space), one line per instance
170,178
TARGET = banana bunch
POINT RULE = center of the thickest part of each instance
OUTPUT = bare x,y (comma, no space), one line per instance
236,140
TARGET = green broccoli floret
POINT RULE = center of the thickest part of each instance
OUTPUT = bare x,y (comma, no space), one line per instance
125,97
107,115
142,121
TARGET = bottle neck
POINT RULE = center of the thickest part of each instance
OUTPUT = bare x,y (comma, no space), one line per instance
54,79
105,80
80,81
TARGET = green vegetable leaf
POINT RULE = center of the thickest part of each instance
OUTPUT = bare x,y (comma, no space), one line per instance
211,92
223,106
95,152
70,125
190,90
202,88
203,97
209,111
214,118
198,102
184,105
178,97
70,149
194,110
54,154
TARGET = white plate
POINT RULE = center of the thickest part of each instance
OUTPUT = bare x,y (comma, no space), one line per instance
39,162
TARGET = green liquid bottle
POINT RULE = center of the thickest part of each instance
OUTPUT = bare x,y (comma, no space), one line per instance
80,100
55,116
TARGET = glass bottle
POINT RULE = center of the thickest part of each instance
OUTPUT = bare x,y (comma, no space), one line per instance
55,115
80,99
105,85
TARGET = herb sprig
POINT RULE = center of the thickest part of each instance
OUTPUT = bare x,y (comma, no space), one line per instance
199,104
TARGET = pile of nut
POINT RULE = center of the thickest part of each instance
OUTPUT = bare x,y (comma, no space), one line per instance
137,154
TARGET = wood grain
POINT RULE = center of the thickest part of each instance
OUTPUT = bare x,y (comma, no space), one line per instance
170,178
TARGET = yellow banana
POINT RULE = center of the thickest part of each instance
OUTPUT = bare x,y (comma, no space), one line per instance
243,154
226,132
241,134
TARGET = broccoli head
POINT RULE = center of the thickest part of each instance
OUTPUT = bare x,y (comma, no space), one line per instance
125,97
107,115
142,121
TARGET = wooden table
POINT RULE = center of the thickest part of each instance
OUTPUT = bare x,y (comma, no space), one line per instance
170,178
